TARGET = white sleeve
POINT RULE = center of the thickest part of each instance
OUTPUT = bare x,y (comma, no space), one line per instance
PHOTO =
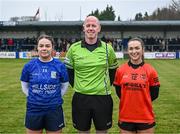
25,87
64,87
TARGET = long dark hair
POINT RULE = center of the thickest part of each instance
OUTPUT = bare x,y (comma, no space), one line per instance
50,38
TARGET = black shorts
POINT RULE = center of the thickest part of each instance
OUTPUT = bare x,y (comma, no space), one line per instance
86,108
52,120
130,126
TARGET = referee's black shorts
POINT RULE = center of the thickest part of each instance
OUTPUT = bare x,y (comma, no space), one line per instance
86,108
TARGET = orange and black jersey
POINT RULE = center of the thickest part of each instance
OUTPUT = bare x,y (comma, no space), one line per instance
138,85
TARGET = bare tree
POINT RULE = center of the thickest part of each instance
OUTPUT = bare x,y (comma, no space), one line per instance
175,5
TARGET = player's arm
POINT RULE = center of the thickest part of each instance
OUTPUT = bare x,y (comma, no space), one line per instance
154,91
154,85
118,91
64,80
117,83
112,73
25,87
64,87
25,79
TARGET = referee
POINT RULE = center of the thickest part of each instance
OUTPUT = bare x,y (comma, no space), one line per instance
91,64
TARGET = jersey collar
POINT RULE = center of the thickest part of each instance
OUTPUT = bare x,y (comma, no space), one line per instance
135,66
45,61
83,43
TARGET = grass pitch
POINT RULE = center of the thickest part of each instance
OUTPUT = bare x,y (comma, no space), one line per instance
13,101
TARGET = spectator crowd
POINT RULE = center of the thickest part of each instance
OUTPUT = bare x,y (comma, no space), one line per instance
62,44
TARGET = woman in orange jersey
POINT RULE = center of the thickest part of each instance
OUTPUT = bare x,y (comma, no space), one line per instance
137,85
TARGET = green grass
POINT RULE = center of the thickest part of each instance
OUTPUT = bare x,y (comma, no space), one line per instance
13,101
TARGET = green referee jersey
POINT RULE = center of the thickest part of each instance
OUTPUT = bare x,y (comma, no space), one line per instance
91,68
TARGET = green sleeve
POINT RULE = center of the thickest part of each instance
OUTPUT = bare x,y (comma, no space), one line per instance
69,59
112,60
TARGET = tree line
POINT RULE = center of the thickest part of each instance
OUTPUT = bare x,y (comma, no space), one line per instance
172,12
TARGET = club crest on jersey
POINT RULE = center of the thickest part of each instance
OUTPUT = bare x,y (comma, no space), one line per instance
53,74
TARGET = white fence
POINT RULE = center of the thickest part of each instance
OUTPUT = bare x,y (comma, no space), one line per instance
119,55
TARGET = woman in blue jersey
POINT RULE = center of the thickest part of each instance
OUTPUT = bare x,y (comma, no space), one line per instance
44,81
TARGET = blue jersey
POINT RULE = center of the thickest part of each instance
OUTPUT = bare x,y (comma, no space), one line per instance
44,80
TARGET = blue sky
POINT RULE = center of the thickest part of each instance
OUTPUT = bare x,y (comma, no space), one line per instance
73,10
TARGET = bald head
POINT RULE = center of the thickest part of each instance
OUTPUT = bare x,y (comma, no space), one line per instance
91,28
92,19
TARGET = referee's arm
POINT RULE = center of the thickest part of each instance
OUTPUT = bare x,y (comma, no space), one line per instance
71,76
70,70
